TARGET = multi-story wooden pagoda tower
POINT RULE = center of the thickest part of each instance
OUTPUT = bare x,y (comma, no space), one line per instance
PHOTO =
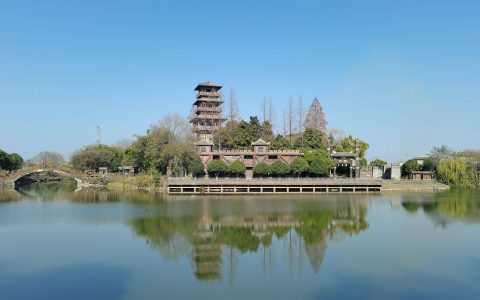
207,112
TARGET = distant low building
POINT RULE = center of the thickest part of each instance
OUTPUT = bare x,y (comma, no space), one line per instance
103,171
126,170
392,171
371,172
421,175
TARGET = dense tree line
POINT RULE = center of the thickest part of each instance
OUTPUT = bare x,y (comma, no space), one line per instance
457,169
315,163
10,162
240,135
166,146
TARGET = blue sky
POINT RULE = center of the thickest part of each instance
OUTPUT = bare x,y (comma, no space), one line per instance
402,75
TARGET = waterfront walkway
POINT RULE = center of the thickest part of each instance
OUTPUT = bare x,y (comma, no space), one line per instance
184,186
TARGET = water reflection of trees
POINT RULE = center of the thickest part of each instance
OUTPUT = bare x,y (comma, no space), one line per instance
8,195
213,235
445,208
58,192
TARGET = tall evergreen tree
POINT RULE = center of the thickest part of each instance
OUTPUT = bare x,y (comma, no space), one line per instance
315,117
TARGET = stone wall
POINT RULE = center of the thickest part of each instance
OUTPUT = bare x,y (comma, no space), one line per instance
392,172
371,172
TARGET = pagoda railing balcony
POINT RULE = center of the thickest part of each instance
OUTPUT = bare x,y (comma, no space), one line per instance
204,128
208,116
208,94
201,109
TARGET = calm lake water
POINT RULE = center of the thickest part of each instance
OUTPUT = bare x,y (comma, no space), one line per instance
60,244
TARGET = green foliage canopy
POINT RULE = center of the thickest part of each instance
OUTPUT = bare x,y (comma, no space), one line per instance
195,167
280,169
379,163
299,166
280,143
12,161
237,168
262,169
240,135
319,161
428,165
94,157
408,167
312,138
217,168
348,145
454,171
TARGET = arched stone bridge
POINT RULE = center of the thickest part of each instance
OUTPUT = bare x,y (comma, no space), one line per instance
9,178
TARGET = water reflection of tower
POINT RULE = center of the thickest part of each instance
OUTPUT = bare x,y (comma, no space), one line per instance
207,254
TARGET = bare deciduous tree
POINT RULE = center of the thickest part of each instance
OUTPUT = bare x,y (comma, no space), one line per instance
48,157
336,134
177,125
123,144
233,111
271,112
301,116
291,117
264,109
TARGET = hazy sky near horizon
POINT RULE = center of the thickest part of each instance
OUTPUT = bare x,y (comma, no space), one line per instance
401,75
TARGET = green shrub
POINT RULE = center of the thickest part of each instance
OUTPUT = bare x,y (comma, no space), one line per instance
237,168
262,169
280,169
408,167
299,166
195,167
217,168
378,163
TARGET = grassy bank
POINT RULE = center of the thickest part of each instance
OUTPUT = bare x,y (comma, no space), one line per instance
141,181
413,185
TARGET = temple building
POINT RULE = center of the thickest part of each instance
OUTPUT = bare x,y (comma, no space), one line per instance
207,112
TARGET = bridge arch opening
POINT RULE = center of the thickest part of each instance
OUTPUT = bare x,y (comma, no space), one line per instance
45,176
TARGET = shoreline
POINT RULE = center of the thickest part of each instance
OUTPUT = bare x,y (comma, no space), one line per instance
403,185
146,184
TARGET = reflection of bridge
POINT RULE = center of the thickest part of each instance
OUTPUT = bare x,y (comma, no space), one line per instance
8,179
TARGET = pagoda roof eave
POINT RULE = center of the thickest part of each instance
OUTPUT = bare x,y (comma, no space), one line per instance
207,84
